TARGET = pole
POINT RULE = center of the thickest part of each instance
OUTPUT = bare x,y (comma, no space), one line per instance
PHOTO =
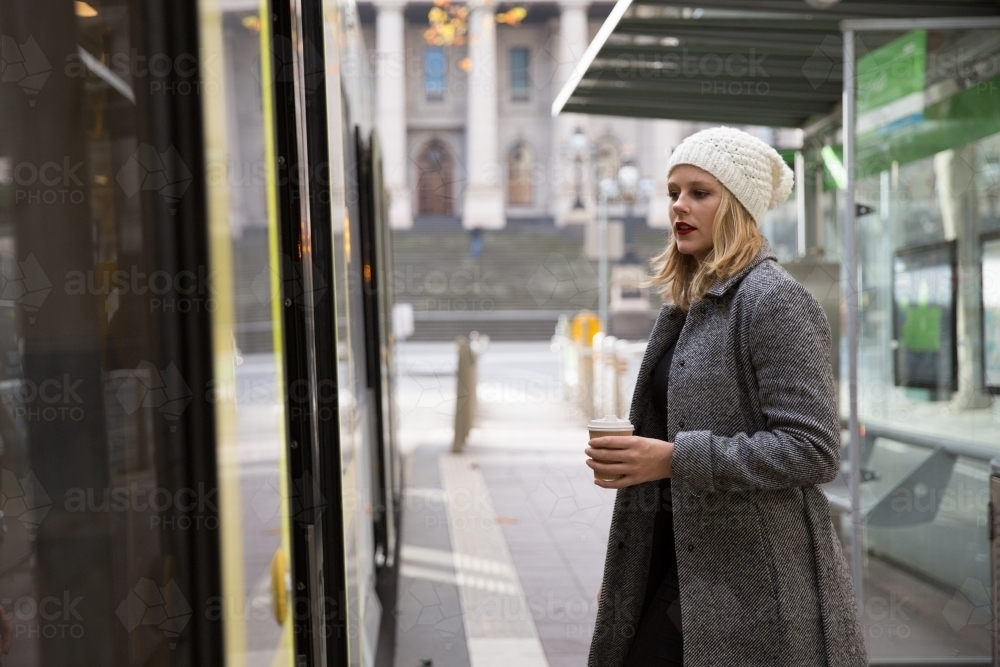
800,200
578,163
602,258
851,270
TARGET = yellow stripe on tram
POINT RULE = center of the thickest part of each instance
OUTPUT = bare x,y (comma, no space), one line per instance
223,320
285,654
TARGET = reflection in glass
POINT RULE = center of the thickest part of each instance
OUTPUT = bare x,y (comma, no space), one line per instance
930,424
924,298
991,313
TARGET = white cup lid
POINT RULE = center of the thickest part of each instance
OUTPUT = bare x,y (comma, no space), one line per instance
609,423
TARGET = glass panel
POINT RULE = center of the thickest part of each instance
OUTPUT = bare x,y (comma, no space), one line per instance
435,73
928,143
110,508
520,80
348,109
991,311
249,385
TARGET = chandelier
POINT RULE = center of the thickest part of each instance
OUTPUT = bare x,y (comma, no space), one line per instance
449,23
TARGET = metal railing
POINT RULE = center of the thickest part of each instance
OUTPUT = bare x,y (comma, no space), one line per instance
930,473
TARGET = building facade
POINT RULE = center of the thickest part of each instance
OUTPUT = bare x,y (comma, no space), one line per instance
467,130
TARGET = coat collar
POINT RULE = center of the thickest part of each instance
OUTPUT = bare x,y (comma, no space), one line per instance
671,319
722,285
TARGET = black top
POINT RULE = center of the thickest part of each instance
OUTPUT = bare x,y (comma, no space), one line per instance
663,560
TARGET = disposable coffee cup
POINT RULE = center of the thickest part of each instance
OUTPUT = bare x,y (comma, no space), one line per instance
609,425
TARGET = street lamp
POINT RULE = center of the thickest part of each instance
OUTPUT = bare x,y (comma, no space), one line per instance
579,145
629,304
628,186
606,189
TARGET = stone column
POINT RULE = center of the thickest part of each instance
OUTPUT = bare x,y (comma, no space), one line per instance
666,135
390,102
954,170
484,202
574,38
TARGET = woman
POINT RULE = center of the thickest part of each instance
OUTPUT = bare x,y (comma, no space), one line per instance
721,549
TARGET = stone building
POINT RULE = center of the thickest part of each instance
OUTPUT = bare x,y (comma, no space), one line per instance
467,130
469,141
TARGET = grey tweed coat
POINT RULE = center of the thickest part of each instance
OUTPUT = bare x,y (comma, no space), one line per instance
752,414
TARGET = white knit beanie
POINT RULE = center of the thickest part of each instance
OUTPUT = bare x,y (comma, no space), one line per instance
748,167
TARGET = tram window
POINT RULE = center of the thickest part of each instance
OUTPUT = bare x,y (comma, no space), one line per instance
131,347
92,464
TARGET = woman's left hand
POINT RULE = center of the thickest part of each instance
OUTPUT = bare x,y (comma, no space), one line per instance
637,459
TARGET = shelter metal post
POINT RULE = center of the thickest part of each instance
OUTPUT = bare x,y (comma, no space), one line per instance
800,202
851,295
602,259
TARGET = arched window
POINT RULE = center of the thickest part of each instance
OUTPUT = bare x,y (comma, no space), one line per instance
608,159
435,179
520,172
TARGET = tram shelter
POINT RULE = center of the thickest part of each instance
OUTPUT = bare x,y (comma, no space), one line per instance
897,186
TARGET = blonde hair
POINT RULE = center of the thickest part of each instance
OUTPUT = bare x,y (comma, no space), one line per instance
736,240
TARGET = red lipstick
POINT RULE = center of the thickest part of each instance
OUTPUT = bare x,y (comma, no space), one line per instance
683,228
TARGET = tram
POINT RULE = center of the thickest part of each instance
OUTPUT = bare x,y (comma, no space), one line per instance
198,463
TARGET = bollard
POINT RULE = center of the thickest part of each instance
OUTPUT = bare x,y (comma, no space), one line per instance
585,381
605,375
595,406
477,344
465,391
609,377
583,329
622,401
466,381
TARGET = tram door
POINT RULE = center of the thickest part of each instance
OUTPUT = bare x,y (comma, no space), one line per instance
142,449
250,389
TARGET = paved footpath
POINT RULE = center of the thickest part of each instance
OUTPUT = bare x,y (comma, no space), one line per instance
503,545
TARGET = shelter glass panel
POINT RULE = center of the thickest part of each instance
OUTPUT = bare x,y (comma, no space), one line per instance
928,150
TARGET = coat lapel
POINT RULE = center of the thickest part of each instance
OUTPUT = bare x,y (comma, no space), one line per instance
666,331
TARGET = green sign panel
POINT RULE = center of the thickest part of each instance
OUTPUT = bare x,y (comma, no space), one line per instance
892,72
891,85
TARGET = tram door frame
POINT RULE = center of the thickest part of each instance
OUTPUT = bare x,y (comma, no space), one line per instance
376,295
310,355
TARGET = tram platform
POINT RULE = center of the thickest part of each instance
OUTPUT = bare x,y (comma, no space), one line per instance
502,546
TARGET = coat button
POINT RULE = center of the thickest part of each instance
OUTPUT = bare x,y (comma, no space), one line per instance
690,547
680,424
681,363
621,545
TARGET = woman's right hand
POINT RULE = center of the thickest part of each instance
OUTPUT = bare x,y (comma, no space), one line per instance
634,458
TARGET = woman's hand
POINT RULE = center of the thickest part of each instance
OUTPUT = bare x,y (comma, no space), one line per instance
638,459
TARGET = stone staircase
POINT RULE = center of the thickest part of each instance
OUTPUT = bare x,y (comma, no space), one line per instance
526,276
252,285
